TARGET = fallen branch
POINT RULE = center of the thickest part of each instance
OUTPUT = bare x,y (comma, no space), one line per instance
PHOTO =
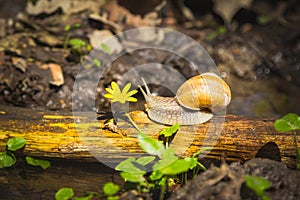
83,137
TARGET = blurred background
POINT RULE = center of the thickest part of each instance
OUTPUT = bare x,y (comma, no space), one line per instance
254,43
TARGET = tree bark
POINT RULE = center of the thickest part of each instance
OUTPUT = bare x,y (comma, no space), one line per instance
83,137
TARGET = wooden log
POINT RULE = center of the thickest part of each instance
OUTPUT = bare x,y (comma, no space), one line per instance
83,137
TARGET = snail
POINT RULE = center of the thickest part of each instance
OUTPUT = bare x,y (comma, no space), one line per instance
195,102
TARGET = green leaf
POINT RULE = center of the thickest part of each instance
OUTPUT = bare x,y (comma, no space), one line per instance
156,175
221,30
145,160
193,161
77,25
37,162
113,198
110,188
162,181
298,158
257,184
64,194
177,167
67,27
262,20
288,122
77,43
15,143
150,145
105,48
7,159
133,177
265,197
97,62
128,166
167,132
168,157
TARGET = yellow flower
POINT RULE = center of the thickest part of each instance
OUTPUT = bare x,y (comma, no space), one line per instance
115,94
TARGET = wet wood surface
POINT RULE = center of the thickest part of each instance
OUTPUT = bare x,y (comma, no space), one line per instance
83,137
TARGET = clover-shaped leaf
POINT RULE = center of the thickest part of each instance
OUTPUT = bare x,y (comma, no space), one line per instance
110,188
288,122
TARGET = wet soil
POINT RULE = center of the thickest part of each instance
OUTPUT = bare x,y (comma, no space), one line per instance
227,182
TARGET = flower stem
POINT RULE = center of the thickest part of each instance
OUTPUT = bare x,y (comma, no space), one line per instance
131,121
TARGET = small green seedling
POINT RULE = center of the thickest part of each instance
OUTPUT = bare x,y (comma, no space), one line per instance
44,164
263,19
67,27
219,31
290,122
110,191
97,62
67,30
14,144
8,159
79,47
77,43
64,194
167,165
258,185
167,133
105,48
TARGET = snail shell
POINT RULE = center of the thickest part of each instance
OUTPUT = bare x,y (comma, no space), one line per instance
204,91
187,109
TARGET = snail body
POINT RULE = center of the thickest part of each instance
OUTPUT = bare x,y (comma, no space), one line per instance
194,102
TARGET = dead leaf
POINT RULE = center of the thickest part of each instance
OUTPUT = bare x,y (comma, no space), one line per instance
103,19
227,9
2,27
19,63
18,43
186,12
117,12
46,38
67,6
56,72
97,37
2,57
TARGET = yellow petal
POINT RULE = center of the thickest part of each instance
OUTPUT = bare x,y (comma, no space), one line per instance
108,96
109,90
126,88
132,92
132,99
115,87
